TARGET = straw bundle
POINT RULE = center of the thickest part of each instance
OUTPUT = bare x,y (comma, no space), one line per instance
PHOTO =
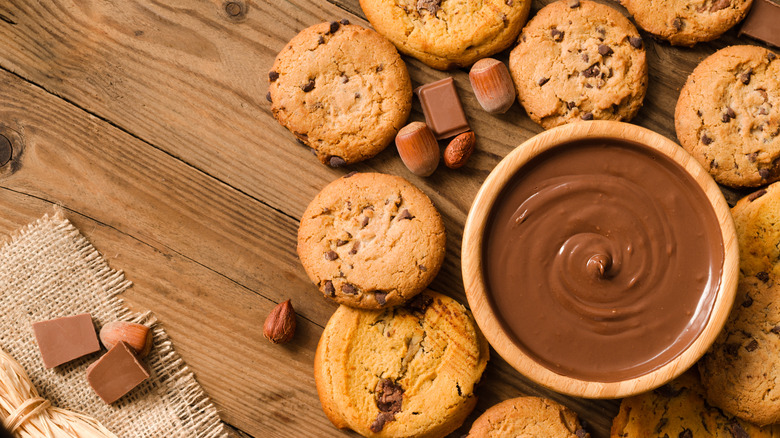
27,415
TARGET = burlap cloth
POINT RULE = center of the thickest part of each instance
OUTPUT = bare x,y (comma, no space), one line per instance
47,270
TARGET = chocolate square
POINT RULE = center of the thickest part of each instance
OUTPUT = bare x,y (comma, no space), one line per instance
442,108
116,373
61,340
762,22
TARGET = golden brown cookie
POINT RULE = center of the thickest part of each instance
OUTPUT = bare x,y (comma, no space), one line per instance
687,22
740,370
403,372
371,240
448,33
342,90
579,60
728,116
678,409
528,417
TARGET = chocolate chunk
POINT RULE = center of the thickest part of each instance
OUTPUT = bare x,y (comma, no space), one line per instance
340,242
592,71
308,86
422,268
745,77
334,26
574,4
389,396
763,276
571,105
348,289
761,23
753,157
355,248
737,431
380,67
731,349
706,139
328,288
752,197
405,215
748,301
668,391
381,419
636,42
335,161
431,6
587,116
273,75
730,112
542,81
420,303
764,173
116,373
677,23
686,433
61,340
605,50
698,113
364,222
344,79
442,108
720,4
751,346
268,97
344,21
331,255
380,297
585,57
726,117
557,35
321,40
357,95
776,330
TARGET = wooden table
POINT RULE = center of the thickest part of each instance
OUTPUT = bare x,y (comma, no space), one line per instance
146,121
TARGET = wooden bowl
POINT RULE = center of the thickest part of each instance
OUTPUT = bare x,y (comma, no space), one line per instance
488,319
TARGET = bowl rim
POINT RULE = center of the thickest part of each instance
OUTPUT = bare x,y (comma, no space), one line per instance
476,291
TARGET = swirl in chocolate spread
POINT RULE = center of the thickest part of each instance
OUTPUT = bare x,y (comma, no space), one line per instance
602,259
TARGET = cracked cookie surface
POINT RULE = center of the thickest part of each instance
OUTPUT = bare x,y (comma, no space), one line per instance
528,417
446,34
728,116
579,60
679,410
687,22
401,372
371,240
740,371
342,90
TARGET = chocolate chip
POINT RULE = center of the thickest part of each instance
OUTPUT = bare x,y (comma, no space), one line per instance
273,75
753,157
763,276
380,297
587,116
720,4
776,330
420,303
592,71
355,248
340,242
422,268
745,77
431,6
334,26
364,222
350,174
381,419
336,161
571,105
764,173
585,57
344,79
725,118
731,112
348,289
328,288
557,35
574,4
380,67
706,139
737,431
331,255
389,400
542,81
268,97
605,50
636,42
308,86
344,21
677,23
748,301
321,40
698,113
405,215
686,433
668,391
751,347
357,95
732,349
771,57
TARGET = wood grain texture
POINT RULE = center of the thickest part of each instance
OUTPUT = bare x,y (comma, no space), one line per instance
148,123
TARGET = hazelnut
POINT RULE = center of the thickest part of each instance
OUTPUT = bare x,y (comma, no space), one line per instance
279,327
459,150
418,148
492,85
137,336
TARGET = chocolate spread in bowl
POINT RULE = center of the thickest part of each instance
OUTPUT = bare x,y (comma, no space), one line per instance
602,259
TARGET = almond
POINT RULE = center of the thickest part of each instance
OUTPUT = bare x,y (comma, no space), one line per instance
492,85
279,327
137,336
418,148
459,150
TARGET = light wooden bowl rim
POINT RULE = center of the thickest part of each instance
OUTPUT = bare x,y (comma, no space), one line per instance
471,258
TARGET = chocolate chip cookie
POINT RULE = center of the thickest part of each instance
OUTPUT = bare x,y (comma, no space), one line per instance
579,60
728,116
687,22
740,371
371,240
528,416
679,410
403,372
448,33
342,90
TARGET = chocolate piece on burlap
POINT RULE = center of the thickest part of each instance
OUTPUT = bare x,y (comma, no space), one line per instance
49,270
